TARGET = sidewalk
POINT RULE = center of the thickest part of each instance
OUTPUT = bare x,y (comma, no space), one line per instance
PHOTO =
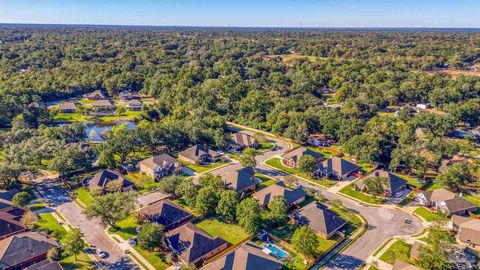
126,246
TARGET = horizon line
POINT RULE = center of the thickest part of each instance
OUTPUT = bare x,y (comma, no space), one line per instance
246,27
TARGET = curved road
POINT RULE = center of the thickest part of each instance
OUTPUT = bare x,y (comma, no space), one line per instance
382,223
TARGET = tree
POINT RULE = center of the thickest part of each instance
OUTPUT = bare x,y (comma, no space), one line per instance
206,200
28,220
227,205
9,174
170,184
189,191
73,243
248,216
210,180
289,180
111,208
53,254
375,185
458,175
278,213
306,164
115,185
150,236
305,241
435,255
21,199
248,157
69,160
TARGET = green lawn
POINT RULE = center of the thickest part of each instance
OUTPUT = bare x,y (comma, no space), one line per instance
156,259
373,268
428,215
49,224
84,196
326,153
265,181
142,182
295,260
432,186
125,228
233,233
350,191
181,202
411,181
354,221
365,167
276,163
202,168
399,250
471,198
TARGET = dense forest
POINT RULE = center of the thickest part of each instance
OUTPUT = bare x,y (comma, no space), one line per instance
272,80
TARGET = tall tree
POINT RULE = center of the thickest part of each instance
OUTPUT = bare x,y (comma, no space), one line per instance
248,215
305,241
73,243
227,205
278,213
111,208
247,158
150,236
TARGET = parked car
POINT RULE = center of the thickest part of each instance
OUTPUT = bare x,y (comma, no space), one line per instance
101,253
398,194
296,184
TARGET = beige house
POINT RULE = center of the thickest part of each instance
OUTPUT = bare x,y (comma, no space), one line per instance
292,197
467,229
445,201
198,154
159,166
242,140
67,107
292,157
96,95
241,180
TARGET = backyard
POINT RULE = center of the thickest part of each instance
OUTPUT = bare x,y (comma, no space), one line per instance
202,168
233,233
276,163
265,181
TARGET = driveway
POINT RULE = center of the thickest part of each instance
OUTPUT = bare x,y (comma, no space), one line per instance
94,233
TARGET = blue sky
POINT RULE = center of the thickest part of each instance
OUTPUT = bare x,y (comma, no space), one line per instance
281,13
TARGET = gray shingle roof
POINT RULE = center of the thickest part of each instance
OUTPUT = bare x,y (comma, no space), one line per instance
248,256
394,182
319,218
165,212
197,151
298,152
240,179
278,189
67,106
160,161
243,139
102,178
338,165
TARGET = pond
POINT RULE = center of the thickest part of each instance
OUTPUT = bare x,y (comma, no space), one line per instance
95,132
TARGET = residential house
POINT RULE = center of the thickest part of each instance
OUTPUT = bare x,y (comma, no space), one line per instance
103,104
401,265
45,265
193,245
423,106
10,220
292,157
318,140
322,220
125,95
198,154
241,180
22,250
467,229
166,213
392,185
96,95
336,168
159,166
247,256
292,197
101,179
241,140
67,107
134,105
445,201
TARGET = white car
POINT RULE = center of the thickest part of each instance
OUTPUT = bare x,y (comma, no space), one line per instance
398,194
101,253
296,184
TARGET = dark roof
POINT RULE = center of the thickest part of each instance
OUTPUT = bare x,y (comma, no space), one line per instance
135,103
9,224
394,182
45,265
453,202
7,195
297,153
278,189
160,161
319,218
102,178
23,247
95,93
165,212
248,256
401,265
243,139
191,243
339,166
241,178
197,151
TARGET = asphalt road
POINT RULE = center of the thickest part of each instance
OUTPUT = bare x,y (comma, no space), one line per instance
382,223
94,233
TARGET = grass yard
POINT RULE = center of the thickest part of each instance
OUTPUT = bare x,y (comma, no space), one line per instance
471,198
429,215
84,196
202,168
295,261
233,233
125,228
156,259
411,181
324,151
181,202
142,182
432,186
276,163
399,250
373,268
365,167
354,221
350,191
265,181
83,262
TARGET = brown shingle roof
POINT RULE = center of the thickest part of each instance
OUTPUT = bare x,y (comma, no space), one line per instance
135,103
102,103
278,189
240,179
453,203
468,229
248,256
319,218
243,139
165,212
197,151
101,179
67,106
162,161
23,247
301,151
192,243
96,93
338,166
394,182
401,265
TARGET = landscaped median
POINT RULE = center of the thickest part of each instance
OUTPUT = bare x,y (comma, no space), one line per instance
277,164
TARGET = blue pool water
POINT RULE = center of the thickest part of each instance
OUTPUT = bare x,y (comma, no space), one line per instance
277,252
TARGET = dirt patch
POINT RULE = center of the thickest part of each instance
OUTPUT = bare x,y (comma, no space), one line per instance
455,73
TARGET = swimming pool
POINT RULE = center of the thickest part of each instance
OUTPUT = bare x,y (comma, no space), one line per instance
276,251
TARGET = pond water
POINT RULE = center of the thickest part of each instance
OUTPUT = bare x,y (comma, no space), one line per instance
95,132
